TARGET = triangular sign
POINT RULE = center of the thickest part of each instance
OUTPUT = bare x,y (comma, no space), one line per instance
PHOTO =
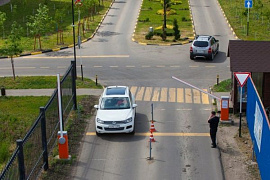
241,77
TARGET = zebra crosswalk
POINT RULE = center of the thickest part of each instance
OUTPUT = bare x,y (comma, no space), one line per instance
174,95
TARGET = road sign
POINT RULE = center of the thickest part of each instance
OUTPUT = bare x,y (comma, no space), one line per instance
241,77
248,3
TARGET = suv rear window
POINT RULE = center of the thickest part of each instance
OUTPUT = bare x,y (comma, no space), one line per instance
116,91
201,43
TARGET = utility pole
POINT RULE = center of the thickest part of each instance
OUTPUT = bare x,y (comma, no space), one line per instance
74,42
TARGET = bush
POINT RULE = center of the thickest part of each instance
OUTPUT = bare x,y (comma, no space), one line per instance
159,32
168,12
176,30
184,19
149,35
175,2
144,20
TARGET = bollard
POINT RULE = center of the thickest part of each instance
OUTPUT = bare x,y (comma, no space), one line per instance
217,79
3,91
63,145
96,80
224,108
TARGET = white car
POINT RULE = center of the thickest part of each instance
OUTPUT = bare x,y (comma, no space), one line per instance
116,111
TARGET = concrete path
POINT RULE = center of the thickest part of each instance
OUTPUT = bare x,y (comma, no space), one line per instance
48,92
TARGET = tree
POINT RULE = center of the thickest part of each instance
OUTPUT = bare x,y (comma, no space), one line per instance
3,18
13,47
40,23
166,4
176,30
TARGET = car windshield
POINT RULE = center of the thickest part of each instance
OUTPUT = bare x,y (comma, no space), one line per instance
108,103
201,43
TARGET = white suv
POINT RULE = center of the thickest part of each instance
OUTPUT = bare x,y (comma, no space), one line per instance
116,111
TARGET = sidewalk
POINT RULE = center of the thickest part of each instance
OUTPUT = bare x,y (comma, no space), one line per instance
3,2
48,92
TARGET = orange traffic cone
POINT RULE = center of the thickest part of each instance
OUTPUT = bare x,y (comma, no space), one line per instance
152,138
152,127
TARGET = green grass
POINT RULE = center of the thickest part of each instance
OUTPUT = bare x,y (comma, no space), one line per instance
223,86
149,11
259,20
42,82
49,41
17,114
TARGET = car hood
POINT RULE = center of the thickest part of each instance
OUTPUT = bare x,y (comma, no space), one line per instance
114,115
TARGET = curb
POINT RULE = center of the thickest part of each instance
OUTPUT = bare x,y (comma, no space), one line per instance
69,46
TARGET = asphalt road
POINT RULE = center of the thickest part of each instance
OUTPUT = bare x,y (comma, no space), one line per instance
182,150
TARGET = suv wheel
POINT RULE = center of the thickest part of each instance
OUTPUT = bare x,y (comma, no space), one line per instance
211,56
191,57
98,134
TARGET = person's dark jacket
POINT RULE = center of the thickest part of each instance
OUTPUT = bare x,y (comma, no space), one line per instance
213,122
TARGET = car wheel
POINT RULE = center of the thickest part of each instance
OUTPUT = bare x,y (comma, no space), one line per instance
133,132
191,57
211,57
98,134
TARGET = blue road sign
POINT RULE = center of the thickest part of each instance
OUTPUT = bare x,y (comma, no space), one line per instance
248,3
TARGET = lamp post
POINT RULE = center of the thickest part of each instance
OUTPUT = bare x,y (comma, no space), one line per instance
74,42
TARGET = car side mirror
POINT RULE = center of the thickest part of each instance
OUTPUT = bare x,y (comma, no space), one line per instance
134,105
96,106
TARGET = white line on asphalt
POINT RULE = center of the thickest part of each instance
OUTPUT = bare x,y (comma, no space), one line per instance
53,57
210,66
25,67
174,66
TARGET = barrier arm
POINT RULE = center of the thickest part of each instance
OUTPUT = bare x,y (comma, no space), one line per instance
213,96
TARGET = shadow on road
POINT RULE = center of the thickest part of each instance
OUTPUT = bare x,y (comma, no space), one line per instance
219,58
142,125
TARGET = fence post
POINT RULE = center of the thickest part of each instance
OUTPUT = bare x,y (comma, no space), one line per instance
21,159
74,84
44,139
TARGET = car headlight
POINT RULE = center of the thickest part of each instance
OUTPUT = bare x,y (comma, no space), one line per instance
100,121
128,120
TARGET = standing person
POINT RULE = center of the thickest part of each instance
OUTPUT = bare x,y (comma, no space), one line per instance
213,123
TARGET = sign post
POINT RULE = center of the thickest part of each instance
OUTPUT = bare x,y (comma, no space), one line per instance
248,4
241,78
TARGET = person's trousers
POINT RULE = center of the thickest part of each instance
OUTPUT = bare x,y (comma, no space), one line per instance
213,134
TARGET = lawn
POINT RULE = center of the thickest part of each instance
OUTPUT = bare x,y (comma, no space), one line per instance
42,82
17,114
259,19
149,17
223,86
20,11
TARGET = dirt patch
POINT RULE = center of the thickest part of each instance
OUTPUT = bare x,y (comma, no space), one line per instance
236,152
76,127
